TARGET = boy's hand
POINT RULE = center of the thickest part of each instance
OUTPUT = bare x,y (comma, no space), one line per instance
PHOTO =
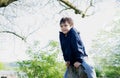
67,63
77,64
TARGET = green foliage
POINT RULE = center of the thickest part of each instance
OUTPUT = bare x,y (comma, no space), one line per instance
43,62
112,71
1,66
106,48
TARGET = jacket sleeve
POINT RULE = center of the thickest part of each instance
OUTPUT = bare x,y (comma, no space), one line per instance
77,46
66,55
65,49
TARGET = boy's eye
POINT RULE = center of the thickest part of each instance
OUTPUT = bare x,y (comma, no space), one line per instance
65,25
61,26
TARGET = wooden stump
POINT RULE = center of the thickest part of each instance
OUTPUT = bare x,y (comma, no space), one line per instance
76,72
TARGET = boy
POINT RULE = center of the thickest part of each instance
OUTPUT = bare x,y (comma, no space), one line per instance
73,49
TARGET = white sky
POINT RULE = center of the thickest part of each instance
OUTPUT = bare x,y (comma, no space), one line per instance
13,49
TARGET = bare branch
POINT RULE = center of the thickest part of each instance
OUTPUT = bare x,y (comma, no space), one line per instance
61,3
70,5
77,11
22,37
4,3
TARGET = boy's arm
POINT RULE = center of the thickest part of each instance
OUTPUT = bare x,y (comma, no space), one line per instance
77,46
66,52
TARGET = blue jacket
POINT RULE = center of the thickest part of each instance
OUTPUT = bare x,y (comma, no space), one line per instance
72,46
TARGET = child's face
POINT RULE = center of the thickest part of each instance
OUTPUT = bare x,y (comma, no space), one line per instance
65,27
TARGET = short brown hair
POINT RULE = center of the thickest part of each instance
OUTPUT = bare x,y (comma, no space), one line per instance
66,19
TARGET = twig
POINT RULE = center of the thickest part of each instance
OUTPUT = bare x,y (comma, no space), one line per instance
64,10
33,32
91,5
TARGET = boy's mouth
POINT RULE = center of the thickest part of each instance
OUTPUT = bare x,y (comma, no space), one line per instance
64,30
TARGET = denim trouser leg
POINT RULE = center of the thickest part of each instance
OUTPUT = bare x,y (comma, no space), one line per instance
89,70
65,75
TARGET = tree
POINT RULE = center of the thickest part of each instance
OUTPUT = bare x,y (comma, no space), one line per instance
10,12
81,7
106,48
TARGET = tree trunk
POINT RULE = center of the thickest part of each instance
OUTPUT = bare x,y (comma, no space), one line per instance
76,72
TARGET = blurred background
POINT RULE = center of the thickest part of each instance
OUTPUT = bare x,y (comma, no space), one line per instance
29,36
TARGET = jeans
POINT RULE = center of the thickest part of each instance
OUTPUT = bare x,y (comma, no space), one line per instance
88,69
